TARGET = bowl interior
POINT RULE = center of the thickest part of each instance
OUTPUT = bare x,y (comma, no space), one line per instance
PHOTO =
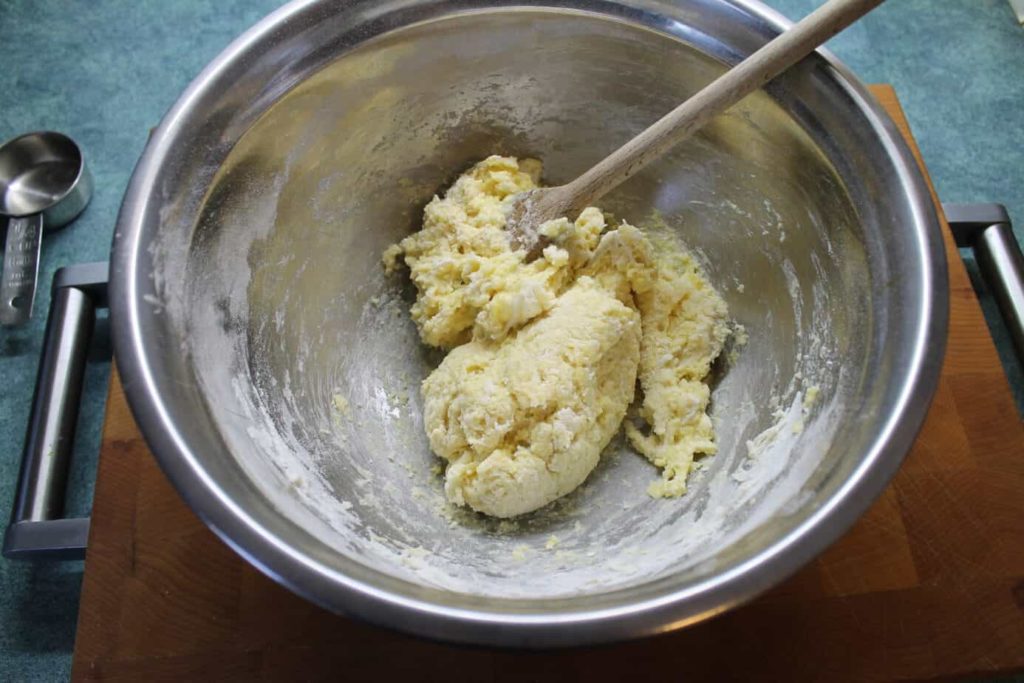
283,307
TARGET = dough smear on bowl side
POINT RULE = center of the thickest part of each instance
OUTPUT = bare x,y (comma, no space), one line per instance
544,355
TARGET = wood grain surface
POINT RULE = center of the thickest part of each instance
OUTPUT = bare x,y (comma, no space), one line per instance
929,584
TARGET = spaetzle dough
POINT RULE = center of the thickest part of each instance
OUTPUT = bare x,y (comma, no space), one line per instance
545,355
524,421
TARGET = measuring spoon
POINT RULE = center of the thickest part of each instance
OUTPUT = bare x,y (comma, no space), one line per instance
44,185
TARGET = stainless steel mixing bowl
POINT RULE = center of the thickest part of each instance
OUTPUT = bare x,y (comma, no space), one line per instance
272,366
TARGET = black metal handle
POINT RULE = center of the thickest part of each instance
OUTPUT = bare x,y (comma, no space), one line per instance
38,529
986,229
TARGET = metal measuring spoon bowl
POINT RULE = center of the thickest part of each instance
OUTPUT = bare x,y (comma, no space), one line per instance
44,185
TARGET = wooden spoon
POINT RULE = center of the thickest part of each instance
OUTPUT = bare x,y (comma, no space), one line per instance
530,209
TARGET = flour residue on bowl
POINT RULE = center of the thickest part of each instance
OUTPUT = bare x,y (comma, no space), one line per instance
283,309
371,416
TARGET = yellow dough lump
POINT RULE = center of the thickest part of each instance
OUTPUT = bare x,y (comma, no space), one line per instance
523,422
470,282
545,355
684,330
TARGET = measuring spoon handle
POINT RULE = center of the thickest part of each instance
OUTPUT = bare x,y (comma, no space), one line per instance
21,267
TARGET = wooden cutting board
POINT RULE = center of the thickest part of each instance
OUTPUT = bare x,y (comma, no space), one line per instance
929,584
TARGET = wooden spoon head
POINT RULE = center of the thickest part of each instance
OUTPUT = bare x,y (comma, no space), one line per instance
528,212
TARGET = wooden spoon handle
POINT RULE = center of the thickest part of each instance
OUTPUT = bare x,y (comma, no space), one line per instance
749,75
